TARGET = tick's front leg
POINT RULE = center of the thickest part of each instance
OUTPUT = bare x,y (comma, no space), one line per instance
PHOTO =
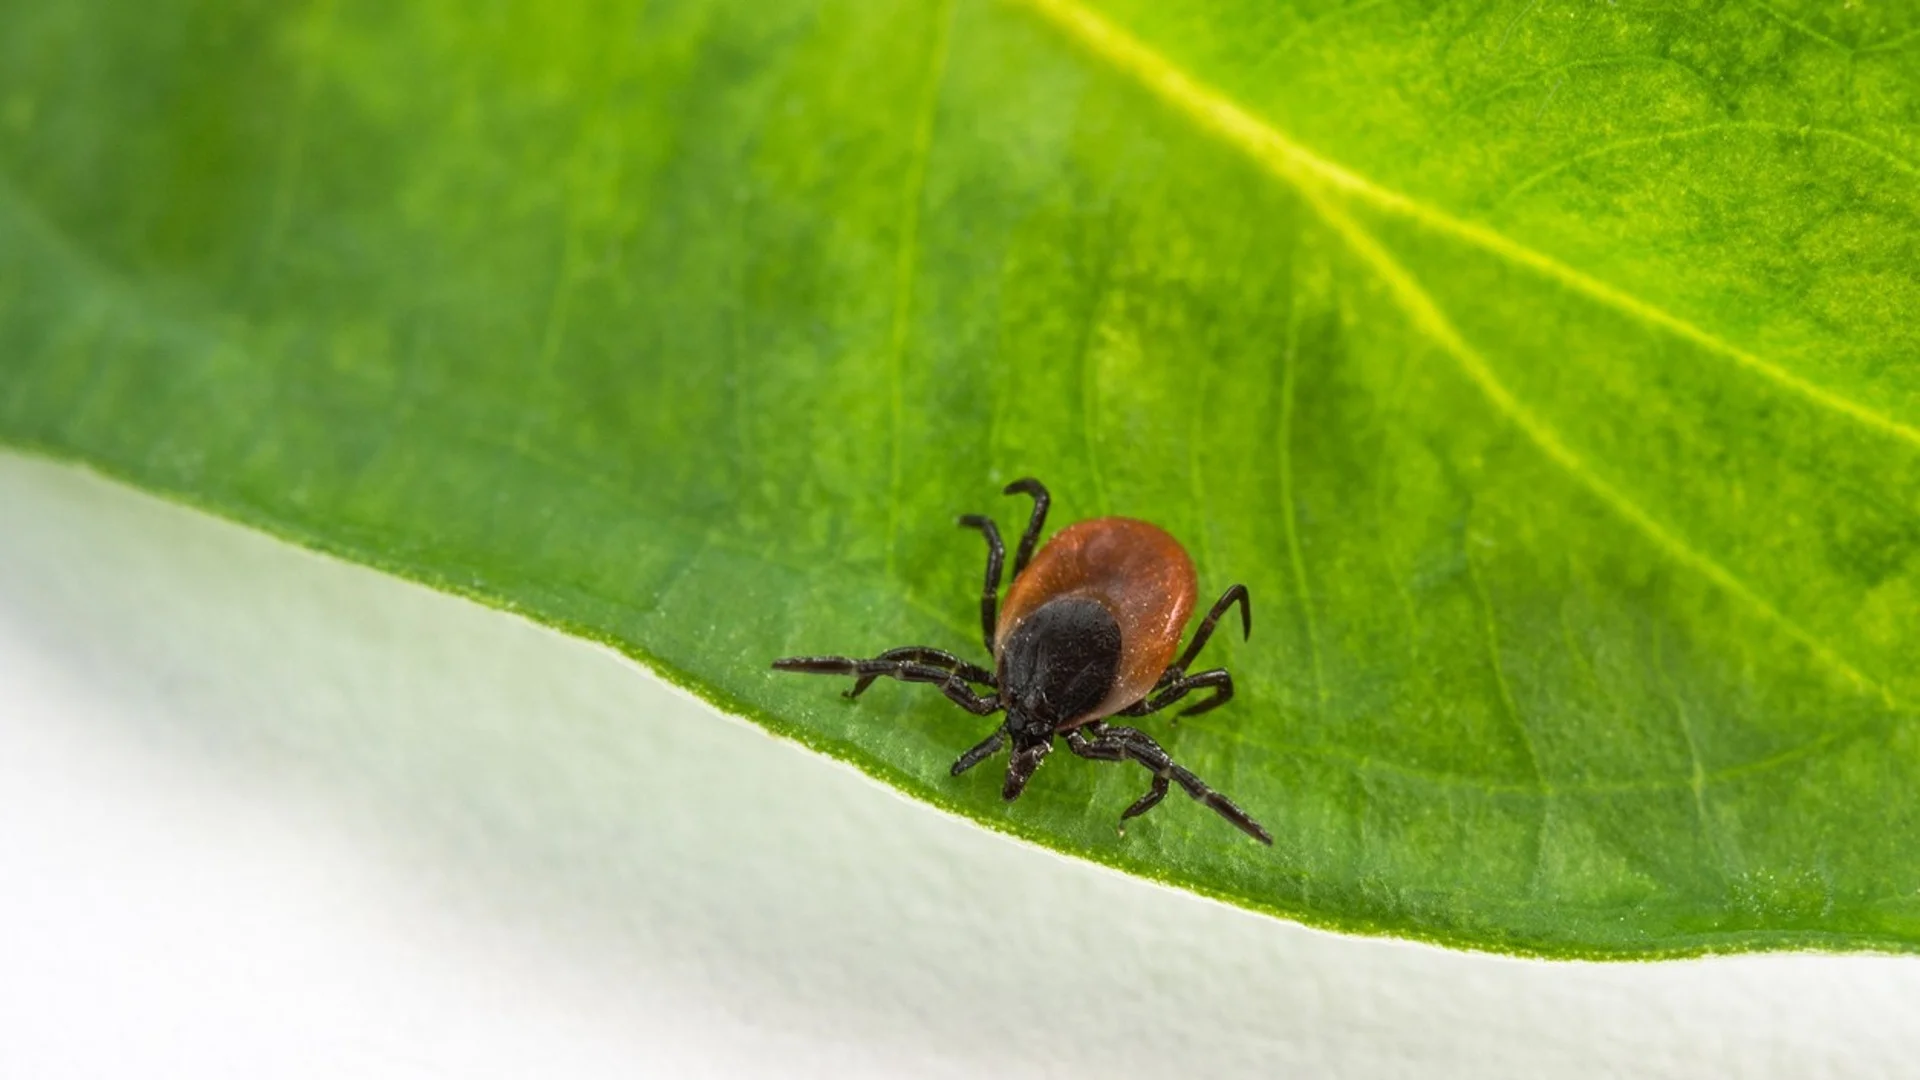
951,683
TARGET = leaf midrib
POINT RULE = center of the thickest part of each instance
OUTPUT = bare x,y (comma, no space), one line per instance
1311,174
1298,165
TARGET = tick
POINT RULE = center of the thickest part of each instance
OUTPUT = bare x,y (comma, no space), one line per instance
1088,632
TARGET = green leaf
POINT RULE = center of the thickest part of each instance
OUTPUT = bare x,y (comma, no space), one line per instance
1545,368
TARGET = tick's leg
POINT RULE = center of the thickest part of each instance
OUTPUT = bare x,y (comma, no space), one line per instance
951,683
996,554
1038,520
1217,680
1128,744
1235,595
988,747
924,654
1148,801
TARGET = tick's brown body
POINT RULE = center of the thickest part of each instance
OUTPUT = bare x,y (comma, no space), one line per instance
1089,631
1138,573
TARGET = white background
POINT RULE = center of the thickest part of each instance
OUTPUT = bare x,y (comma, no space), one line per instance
264,814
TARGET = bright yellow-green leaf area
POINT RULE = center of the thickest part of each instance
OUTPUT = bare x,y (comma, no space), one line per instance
1547,369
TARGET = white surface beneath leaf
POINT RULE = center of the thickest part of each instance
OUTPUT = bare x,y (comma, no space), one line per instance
265,814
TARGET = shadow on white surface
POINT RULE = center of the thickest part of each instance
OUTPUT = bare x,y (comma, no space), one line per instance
266,813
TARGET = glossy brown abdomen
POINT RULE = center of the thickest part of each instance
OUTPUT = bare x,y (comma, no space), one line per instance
1139,573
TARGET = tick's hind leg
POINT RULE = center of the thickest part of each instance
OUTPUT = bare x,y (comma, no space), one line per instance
997,553
1035,522
1175,683
1128,744
990,594
951,683
1216,680
1235,595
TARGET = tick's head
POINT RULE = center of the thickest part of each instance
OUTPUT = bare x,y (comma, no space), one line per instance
1057,666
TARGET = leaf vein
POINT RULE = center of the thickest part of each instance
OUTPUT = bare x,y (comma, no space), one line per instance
1665,137
1287,499
1697,775
1426,313
1294,164
1795,24
1089,382
1470,106
906,262
1299,166
1511,707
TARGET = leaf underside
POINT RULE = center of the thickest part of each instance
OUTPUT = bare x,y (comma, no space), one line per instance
1545,368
